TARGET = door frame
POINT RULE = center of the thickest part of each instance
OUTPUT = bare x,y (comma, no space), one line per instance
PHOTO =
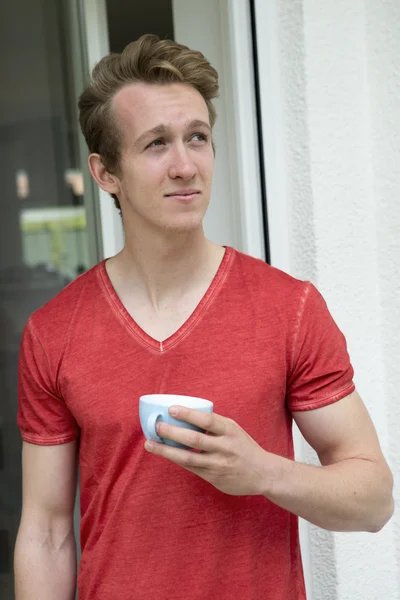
95,34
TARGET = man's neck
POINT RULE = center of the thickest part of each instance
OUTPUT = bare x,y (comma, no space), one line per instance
164,268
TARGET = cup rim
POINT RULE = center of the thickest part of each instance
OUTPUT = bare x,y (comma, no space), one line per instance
178,399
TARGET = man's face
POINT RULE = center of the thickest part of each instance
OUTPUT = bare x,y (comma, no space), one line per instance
167,158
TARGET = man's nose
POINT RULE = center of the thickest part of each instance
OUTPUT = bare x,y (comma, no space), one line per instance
182,164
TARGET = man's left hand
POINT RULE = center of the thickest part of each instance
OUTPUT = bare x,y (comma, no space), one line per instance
229,459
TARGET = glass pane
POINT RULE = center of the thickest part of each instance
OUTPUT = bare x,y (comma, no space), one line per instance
129,20
44,241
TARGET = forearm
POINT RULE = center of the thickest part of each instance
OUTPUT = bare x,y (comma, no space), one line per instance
352,495
45,569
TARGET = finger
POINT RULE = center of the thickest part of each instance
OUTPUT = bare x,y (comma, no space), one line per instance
185,458
210,422
188,437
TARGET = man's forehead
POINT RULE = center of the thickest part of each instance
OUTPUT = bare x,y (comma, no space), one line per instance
133,93
145,99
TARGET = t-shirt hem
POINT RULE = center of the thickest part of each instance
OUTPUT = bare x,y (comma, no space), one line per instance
53,441
321,402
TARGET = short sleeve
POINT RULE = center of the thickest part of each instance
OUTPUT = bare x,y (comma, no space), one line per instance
321,371
43,417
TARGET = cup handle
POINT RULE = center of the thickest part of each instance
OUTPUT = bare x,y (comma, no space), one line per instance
151,426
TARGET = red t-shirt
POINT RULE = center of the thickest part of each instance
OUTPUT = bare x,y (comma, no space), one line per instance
259,345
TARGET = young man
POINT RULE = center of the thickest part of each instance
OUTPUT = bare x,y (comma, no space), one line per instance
175,313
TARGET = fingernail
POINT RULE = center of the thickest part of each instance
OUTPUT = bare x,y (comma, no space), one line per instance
148,446
173,411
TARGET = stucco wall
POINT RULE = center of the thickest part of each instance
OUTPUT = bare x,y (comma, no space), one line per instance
383,45
339,66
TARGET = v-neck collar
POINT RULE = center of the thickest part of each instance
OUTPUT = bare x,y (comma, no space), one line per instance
141,335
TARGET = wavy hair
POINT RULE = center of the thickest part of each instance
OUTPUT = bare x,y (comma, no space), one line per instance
149,59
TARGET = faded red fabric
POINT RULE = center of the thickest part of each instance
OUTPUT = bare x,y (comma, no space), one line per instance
259,345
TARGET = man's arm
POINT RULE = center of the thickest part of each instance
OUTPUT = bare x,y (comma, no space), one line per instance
45,551
352,490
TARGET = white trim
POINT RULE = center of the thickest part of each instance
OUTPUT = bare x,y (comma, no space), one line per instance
95,15
273,132
236,29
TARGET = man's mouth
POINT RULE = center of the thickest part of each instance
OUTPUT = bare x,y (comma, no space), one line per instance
184,195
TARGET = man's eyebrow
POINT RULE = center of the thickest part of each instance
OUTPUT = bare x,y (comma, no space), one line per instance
199,123
157,130
163,129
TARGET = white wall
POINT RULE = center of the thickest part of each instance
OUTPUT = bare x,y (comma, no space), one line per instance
331,83
382,28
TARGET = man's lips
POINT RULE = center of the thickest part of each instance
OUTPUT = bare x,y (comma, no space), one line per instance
184,196
182,193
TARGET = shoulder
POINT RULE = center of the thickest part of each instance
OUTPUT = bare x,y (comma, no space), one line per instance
52,321
266,279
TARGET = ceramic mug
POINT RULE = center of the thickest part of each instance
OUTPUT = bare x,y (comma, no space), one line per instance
154,408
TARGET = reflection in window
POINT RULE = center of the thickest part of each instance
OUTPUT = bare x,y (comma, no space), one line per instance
22,184
44,241
54,238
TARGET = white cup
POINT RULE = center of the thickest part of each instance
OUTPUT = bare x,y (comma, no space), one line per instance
154,408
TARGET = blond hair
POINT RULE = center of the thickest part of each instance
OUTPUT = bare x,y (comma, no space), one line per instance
149,59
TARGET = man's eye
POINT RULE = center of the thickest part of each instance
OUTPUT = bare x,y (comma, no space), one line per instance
156,144
200,137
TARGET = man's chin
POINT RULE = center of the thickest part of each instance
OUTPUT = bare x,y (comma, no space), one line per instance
171,224
183,228
184,224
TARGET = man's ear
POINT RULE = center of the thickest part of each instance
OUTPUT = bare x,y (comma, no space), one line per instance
107,181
